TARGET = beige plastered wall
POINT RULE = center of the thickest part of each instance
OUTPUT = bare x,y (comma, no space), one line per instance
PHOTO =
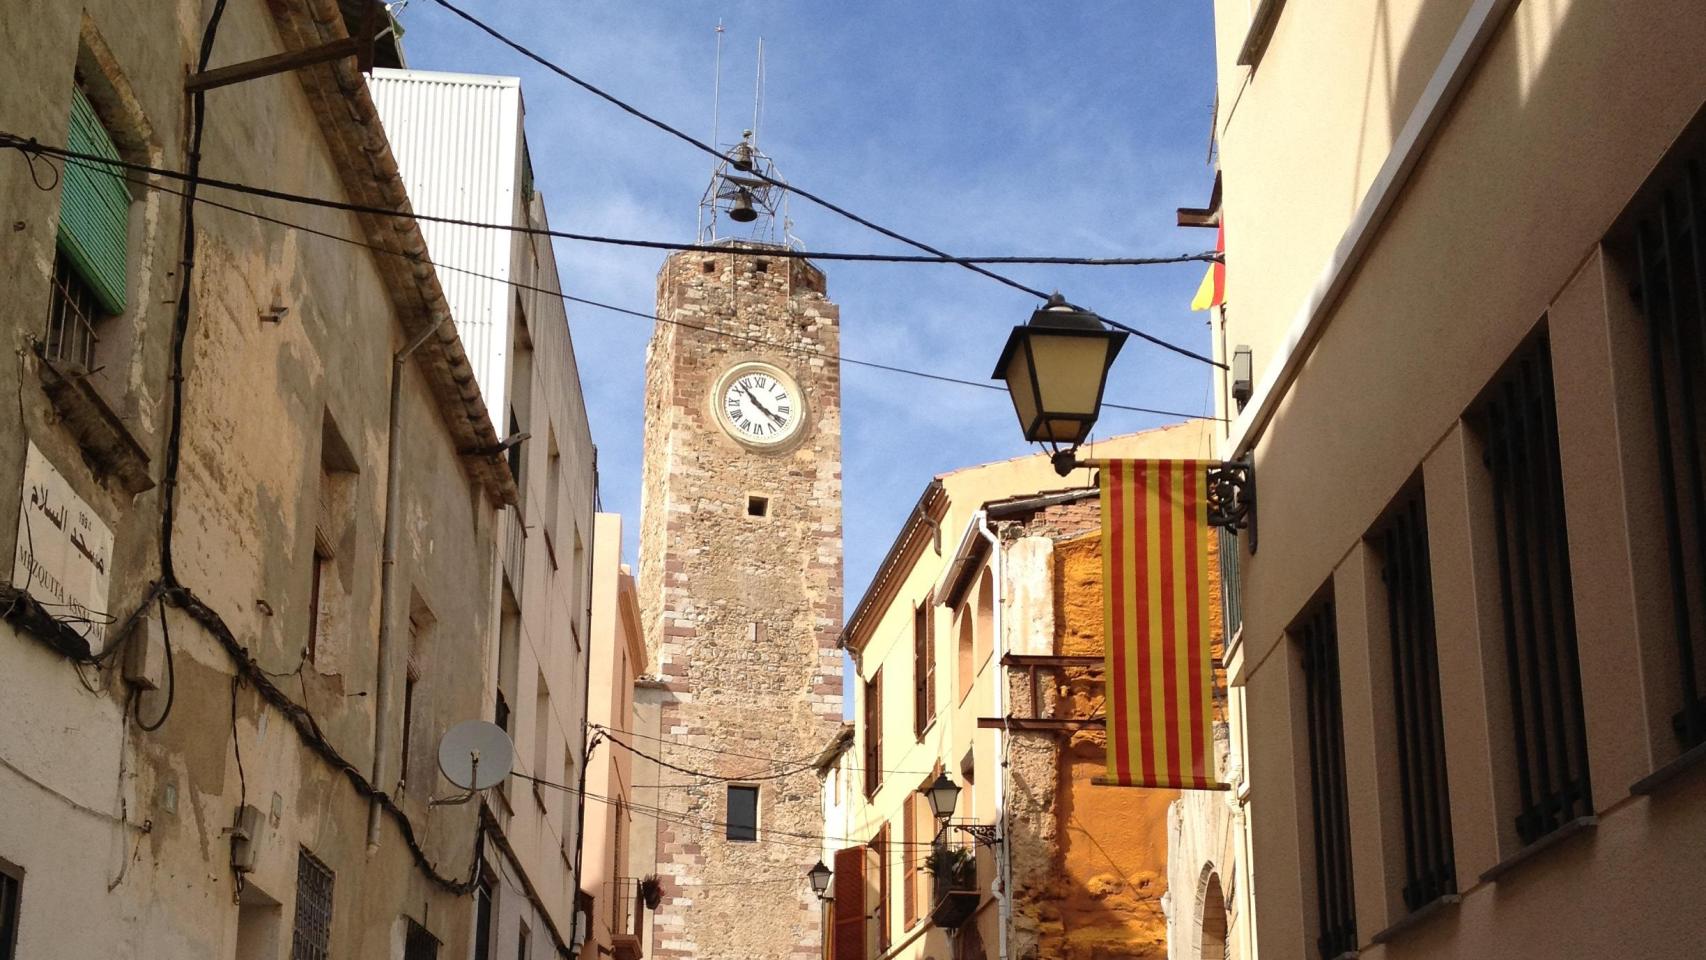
953,734
1494,238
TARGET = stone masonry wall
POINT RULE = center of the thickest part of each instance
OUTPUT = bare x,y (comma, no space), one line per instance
1089,862
741,613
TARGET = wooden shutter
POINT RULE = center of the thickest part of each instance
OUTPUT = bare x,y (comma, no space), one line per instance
874,733
849,936
94,208
929,660
909,859
877,891
920,678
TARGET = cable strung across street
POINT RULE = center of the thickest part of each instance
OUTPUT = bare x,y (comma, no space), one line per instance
73,160
973,264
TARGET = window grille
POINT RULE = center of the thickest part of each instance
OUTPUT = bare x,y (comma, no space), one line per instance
1335,897
1534,580
1430,870
743,814
311,934
72,313
11,893
1671,263
1231,590
419,944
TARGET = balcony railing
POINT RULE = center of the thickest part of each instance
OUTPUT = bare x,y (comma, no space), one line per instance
627,917
952,865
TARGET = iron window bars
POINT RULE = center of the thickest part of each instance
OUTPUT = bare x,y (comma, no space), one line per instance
1535,596
419,943
1671,260
311,931
1231,588
72,313
1335,894
1430,869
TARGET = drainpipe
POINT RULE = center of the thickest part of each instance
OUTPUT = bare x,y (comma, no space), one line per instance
387,567
998,676
588,736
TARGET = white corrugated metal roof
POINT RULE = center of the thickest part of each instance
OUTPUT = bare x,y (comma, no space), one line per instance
457,139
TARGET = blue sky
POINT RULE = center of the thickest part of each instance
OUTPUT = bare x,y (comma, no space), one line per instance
1073,127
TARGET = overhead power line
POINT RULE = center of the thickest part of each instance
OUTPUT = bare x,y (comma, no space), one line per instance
973,264
704,328
30,146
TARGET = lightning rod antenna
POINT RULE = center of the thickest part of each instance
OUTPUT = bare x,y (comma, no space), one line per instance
716,102
758,92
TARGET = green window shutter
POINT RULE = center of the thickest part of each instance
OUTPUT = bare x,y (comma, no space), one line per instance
94,208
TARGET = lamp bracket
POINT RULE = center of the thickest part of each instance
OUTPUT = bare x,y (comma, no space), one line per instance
986,834
1232,497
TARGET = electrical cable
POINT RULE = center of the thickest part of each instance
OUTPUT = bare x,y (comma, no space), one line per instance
968,263
31,147
709,777
777,761
687,818
703,328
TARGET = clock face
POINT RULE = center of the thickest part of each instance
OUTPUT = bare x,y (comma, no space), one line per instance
759,405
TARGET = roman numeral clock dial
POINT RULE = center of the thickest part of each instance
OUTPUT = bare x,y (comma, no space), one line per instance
759,405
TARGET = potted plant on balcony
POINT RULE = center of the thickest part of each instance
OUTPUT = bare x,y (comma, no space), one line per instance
954,872
651,891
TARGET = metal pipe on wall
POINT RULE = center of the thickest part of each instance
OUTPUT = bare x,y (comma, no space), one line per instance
387,567
998,677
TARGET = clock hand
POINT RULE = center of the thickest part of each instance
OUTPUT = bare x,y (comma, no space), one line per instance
761,407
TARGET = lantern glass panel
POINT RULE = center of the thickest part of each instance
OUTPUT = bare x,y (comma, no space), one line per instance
1019,386
1070,370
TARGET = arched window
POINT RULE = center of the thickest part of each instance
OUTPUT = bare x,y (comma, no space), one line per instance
966,663
1213,921
985,631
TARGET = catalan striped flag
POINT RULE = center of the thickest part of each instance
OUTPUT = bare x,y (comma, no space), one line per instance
1212,291
1159,672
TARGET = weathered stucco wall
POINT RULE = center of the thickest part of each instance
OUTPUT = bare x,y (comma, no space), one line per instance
122,833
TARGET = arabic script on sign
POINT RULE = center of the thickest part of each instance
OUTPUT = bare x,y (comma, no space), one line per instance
64,550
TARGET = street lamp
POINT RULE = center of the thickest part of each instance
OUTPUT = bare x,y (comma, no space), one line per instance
819,877
942,794
1055,368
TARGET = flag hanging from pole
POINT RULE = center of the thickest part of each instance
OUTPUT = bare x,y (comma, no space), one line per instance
1159,671
1212,291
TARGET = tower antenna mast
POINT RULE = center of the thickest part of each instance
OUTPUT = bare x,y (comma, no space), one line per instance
758,93
716,102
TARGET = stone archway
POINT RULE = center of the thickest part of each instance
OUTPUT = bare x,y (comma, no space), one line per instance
1211,927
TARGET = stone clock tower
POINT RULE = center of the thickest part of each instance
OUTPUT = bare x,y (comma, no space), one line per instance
740,585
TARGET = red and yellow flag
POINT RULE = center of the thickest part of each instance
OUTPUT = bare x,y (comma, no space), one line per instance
1212,291
1159,672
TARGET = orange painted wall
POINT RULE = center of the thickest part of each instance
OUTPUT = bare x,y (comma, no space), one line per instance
1105,902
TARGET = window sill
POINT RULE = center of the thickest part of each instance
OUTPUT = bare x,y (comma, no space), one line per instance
1691,762
924,731
1556,838
111,448
1417,917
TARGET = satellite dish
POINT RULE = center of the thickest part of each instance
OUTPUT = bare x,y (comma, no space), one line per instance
475,755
